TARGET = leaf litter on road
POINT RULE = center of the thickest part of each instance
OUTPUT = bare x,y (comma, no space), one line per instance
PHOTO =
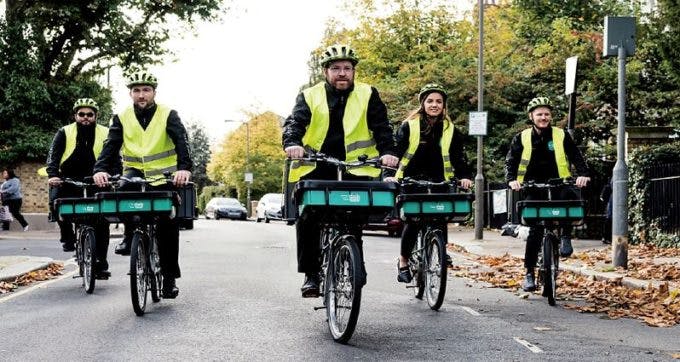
659,307
52,271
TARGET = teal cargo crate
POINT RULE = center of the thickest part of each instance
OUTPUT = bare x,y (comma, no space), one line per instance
77,208
345,197
562,211
446,206
149,203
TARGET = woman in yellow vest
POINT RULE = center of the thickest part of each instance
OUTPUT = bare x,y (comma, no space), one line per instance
74,150
541,153
431,149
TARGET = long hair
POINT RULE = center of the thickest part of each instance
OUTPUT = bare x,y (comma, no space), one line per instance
422,115
10,173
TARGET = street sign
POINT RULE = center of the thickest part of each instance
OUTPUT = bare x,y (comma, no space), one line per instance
477,126
248,177
570,75
619,31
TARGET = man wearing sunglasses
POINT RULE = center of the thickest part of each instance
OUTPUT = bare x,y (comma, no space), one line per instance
74,150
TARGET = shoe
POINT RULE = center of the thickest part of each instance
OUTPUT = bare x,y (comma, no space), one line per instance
123,248
170,290
102,275
449,262
403,274
26,228
606,241
310,288
68,247
529,284
565,247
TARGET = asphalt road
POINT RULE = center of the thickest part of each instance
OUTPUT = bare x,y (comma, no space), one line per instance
239,300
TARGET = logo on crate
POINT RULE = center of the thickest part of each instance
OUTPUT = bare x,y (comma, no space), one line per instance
439,207
353,198
555,212
89,208
136,205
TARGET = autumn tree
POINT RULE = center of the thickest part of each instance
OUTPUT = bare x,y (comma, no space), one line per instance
199,145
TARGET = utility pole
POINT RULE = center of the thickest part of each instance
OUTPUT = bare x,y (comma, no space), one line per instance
479,178
619,40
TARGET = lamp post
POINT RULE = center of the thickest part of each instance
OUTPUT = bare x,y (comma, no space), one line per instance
248,176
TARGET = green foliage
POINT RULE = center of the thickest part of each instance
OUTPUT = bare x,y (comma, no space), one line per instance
642,229
200,154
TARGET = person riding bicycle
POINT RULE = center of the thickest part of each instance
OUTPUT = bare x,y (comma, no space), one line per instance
152,140
541,153
430,148
342,119
72,155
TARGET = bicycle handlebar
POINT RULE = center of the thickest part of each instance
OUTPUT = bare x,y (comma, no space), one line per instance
552,183
363,160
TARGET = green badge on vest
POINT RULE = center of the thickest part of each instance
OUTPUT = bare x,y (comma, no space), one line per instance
551,146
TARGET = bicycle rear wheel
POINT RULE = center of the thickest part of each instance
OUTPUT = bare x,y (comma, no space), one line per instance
343,288
138,273
435,269
88,247
550,265
155,277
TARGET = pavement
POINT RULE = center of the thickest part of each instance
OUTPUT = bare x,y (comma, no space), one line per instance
492,244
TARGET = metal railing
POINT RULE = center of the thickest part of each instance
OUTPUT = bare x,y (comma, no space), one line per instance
663,196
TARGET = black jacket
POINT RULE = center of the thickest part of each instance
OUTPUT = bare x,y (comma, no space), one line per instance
542,166
427,161
114,142
81,162
334,145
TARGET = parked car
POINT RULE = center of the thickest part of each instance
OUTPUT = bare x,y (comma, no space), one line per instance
225,207
269,207
390,223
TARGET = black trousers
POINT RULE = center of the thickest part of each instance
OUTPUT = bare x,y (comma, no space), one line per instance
67,229
409,237
535,237
167,232
14,207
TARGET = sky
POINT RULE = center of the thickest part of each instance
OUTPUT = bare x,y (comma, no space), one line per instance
255,59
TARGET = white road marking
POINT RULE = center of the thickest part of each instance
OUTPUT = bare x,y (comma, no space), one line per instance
41,284
528,345
470,310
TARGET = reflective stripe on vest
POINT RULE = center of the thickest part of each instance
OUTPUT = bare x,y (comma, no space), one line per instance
71,132
560,155
358,138
149,150
414,141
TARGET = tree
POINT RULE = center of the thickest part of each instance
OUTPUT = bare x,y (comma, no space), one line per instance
228,163
52,51
200,154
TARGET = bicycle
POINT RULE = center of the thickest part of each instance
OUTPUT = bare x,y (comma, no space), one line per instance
552,215
143,209
342,208
84,213
430,206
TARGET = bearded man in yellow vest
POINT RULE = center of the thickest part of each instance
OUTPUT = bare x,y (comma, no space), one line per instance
342,119
541,153
72,155
152,140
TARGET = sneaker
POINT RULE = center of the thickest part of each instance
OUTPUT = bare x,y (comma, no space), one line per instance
565,247
26,228
310,288
124,247
170,290
403,274
529,284
68,247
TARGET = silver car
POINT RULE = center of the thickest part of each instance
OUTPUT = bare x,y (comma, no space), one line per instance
269,208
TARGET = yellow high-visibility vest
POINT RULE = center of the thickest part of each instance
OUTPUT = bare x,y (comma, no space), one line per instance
560,155
414,141
358,138
71,132
149,150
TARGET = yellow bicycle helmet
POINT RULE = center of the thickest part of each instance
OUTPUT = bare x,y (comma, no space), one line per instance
141,77
539,102
85,103
338,52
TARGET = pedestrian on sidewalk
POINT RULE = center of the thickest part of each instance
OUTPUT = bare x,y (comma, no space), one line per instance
74,150
541,153
430,148
12,198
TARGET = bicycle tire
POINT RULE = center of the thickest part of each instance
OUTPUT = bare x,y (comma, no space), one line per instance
416,262
138,274
435,269
89,244
156,278
549,269
343,288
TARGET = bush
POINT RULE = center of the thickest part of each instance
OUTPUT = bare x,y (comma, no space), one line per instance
208,193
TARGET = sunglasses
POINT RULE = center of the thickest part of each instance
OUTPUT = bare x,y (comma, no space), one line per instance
88,114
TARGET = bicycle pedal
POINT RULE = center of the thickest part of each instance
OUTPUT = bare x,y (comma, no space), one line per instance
322,307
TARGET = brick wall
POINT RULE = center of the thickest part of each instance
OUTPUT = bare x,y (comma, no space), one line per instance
33,187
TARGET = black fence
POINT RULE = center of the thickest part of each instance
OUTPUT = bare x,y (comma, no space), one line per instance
663,196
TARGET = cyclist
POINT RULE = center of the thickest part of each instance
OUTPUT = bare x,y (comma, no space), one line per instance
340,118
152,140
430,148
73,152
541,153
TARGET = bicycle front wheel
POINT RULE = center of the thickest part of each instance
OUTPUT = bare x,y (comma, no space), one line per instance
435,269
138,273
550,265
416,263
343,288
88,245
155,277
